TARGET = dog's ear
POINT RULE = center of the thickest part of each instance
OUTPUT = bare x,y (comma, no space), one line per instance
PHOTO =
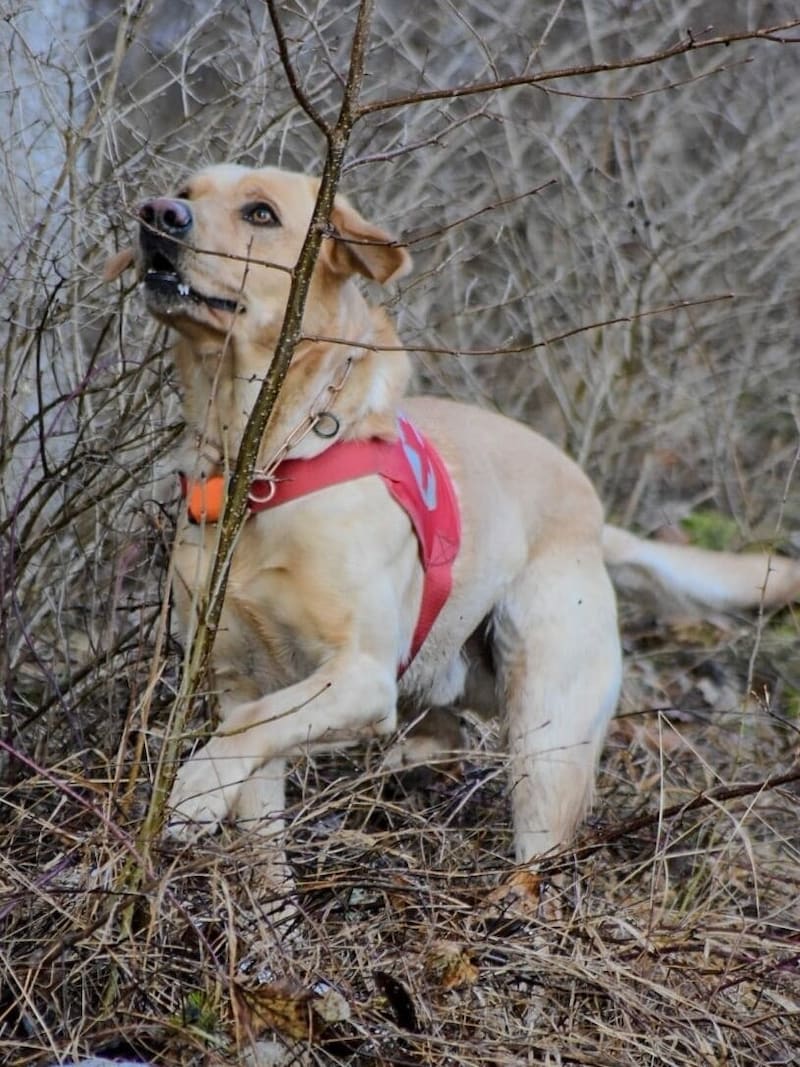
363,248
117,264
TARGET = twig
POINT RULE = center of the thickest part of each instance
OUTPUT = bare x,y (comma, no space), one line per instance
707,798
235,510
439,230
298,91
682,47
761,617
526,346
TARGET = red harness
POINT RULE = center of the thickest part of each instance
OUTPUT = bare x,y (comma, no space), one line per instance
412,471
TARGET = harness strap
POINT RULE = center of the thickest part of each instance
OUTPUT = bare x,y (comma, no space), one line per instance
415,476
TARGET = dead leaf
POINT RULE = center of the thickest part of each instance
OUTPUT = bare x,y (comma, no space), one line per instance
329,1004
448,964
291,1009
519,896
282,1006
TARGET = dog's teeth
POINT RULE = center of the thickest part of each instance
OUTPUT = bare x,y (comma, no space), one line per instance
183,289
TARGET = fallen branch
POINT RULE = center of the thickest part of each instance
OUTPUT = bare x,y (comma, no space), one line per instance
708,798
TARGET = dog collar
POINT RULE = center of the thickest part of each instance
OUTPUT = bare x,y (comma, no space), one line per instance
414,474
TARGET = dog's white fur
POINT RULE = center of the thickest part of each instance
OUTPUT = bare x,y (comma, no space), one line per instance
324,592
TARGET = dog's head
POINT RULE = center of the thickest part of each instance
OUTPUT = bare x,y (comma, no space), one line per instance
217,258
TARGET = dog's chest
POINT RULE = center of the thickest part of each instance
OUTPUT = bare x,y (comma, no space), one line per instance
336,569
263,643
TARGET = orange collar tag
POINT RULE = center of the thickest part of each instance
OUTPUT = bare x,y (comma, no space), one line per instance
205,498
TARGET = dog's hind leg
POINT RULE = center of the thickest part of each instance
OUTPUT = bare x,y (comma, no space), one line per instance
558,660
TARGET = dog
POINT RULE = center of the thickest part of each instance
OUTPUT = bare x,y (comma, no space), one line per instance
329,630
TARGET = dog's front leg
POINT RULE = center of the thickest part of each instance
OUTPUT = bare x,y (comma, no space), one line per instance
352,695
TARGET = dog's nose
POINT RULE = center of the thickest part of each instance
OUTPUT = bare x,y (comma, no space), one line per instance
167,216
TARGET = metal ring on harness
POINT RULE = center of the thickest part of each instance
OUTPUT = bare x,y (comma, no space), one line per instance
255,498
330,424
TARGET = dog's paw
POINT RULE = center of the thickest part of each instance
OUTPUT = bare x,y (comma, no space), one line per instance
189,821
201,797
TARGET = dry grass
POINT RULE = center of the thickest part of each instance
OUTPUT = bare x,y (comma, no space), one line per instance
677,940
676,943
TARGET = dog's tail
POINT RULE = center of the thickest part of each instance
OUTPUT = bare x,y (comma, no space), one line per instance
722,581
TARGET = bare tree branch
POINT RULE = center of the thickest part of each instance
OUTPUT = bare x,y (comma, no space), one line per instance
235,510
687,44
298,91
528,346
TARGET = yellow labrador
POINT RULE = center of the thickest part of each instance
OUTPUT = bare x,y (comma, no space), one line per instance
325,590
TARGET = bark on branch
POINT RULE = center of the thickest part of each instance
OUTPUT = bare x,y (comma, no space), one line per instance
235,511
689,43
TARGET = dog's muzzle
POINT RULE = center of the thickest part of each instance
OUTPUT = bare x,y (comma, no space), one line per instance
164,232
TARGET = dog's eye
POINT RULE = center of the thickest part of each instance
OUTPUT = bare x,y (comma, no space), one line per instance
184,194
260,214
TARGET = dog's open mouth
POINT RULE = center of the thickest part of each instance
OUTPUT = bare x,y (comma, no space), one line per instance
163,280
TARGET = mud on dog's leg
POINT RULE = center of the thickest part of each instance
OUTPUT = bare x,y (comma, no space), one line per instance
559,669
